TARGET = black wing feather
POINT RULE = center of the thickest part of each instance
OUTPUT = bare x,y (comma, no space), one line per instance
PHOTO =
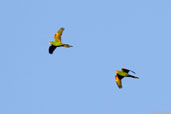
119,76
51,49
127,70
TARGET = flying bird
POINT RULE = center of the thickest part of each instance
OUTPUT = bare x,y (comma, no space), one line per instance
57,41
121,74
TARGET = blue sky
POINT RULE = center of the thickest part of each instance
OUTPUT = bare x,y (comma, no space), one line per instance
106,35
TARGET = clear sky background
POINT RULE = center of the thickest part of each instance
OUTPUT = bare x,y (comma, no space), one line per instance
106,35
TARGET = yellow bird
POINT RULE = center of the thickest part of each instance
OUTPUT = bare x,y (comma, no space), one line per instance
57,42
121,74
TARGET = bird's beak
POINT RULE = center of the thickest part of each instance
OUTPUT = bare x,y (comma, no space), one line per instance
116,71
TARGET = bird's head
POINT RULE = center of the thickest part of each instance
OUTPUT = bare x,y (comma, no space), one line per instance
51,42
117,71
66,45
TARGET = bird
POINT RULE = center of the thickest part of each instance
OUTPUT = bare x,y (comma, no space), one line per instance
57,41
121,74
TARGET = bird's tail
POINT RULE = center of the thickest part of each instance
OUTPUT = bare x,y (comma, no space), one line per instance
133,77
68,46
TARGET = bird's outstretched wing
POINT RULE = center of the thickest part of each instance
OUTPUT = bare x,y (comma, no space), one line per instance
58,35
127,70
133,77
118,81
51,49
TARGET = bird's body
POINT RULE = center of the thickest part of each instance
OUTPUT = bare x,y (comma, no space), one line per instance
121,74
57,42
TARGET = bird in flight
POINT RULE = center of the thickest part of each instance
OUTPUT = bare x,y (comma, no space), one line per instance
121,74
57,41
